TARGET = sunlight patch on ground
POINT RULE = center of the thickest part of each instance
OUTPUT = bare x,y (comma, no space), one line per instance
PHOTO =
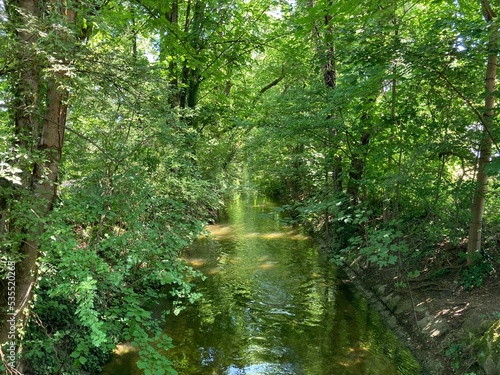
454,311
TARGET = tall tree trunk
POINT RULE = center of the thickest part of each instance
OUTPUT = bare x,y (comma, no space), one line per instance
41,181
26,104
325,50
475,231
191,78
169,33
358,166
387,209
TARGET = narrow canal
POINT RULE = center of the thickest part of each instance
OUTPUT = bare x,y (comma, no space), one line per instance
273,305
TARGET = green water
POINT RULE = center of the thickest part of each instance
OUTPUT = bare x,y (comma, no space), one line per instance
273,305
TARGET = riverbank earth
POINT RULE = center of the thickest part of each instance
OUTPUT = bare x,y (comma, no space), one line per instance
449,328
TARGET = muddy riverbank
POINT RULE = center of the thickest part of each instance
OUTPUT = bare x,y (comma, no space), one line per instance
450,330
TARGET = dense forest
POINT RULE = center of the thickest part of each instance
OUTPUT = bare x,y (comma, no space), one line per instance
125,124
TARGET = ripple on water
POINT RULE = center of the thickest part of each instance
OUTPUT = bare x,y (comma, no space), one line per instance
263,369
273,305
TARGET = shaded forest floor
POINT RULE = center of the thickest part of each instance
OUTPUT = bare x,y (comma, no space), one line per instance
451,329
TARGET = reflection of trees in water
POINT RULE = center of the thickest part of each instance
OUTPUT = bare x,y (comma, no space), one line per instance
273,305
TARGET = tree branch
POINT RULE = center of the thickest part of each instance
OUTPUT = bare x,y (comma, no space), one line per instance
470,105
272,84
80,135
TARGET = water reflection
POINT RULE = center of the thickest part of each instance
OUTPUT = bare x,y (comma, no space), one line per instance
273,305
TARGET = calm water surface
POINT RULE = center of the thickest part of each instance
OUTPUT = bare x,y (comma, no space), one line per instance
272,305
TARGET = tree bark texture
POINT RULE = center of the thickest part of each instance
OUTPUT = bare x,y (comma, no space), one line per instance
40,126
475,230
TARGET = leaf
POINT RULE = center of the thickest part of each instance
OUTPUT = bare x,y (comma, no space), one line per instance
392,259
493,168
414,274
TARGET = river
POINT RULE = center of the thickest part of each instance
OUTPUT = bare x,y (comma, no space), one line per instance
273,305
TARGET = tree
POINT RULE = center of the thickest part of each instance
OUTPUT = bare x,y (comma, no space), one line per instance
486,142
135,130
39,111
402,116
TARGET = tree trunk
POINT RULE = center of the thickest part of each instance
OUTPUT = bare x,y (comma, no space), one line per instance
41,181
358,166
325,50
475,231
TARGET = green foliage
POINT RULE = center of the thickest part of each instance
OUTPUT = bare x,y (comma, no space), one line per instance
167,112
474,275
455,353
106,258
153,360
403,90
55,345
381,246
132,197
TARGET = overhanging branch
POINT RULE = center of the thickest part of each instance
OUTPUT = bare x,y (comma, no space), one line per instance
275,82
470,105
